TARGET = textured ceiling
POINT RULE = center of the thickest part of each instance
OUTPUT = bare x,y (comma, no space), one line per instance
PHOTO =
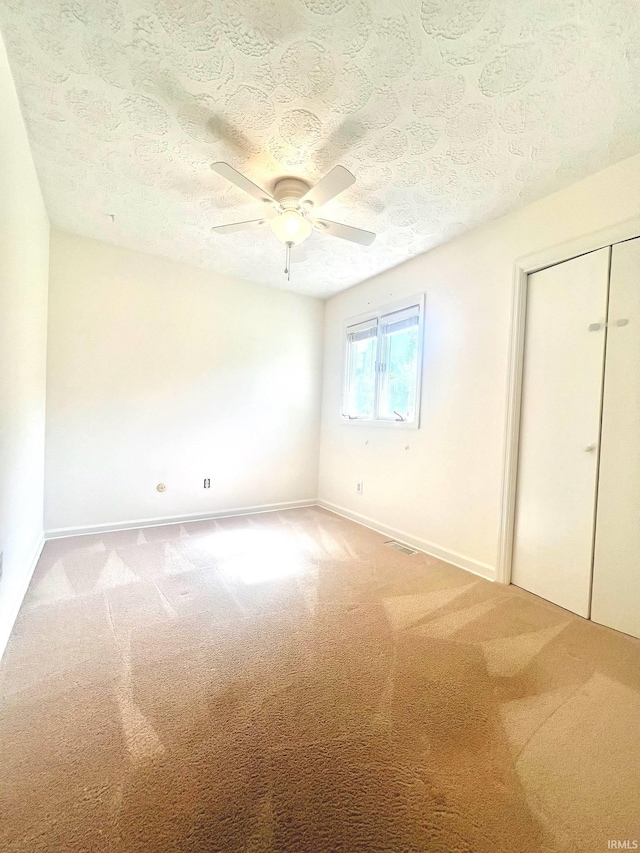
448,112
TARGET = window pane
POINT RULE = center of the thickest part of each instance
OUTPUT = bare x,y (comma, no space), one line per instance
361,376
400,372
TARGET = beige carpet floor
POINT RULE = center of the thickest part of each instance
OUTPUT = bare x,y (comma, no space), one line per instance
286,683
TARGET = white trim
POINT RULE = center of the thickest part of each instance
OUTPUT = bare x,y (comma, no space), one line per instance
627,230
7,626
380,422
512,426
63,532
389,308
460,560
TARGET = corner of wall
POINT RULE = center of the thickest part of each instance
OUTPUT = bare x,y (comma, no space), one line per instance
24,277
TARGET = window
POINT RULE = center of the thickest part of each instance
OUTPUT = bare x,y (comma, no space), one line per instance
382,369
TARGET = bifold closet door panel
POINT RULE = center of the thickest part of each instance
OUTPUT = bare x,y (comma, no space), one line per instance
560,428
616,574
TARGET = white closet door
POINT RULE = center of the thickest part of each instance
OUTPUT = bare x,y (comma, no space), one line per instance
560,428
616,575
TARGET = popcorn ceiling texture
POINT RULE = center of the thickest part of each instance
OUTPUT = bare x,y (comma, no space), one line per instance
449,113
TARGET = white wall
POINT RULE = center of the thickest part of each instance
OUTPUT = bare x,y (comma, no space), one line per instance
161,372
24,260
445,490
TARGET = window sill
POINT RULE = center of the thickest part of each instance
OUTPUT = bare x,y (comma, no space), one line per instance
380,423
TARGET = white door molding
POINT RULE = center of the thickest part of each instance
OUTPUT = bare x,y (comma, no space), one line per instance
627,230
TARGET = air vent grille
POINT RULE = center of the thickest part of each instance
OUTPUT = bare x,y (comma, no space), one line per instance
400,547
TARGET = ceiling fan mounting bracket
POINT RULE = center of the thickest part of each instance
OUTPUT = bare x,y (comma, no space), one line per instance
289,191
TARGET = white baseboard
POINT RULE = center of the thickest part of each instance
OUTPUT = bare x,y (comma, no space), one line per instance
470,565
7,626
62,532
463,562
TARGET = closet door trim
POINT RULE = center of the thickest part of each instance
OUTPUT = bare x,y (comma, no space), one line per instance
616,579
627,230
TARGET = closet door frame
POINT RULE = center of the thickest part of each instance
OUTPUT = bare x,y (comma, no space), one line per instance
627,230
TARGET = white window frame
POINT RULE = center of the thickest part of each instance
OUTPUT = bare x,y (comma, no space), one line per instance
376,316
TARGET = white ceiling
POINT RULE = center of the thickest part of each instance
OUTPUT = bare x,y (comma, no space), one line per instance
449,113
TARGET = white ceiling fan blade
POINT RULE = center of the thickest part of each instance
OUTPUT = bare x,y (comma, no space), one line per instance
249,225
333,183
346,232
240,181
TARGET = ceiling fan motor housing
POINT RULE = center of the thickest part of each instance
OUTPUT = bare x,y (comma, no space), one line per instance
289,191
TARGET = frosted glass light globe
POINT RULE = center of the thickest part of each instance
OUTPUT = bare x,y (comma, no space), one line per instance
291,227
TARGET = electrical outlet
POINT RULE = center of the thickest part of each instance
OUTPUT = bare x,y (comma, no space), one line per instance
360,487
207,483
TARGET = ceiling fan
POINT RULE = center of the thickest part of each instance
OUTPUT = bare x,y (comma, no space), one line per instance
292,206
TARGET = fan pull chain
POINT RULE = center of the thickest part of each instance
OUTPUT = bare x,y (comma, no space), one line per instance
287,265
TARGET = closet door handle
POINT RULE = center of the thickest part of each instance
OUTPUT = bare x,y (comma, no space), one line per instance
590,448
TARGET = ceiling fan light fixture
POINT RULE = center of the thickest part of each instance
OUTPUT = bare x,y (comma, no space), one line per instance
291,227
292,202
